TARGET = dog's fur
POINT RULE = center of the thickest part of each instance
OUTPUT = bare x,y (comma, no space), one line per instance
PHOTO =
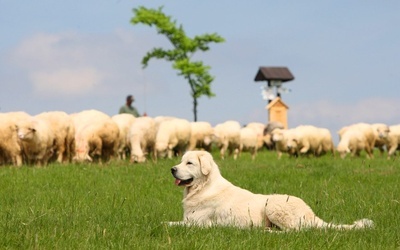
211,200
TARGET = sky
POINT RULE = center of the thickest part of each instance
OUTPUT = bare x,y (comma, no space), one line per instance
78,55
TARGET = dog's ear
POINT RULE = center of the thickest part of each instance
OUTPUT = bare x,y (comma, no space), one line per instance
206,162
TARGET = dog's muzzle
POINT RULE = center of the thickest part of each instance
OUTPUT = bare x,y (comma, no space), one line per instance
178,181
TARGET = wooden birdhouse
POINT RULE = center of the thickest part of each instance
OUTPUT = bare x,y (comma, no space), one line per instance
277,111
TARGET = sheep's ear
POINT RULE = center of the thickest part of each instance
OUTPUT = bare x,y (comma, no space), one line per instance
206,162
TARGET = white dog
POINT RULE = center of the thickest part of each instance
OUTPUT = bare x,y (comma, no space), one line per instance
209,199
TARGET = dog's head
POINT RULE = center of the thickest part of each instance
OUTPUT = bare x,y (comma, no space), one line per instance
194,168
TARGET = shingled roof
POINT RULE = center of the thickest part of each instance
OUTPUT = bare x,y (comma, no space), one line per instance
274,73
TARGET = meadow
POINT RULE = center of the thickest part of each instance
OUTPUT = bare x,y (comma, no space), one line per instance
123,206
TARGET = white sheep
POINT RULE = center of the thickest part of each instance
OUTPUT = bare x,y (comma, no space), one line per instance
248,141
327,144
124,122
227,138
381,132
64,134
352,141
267,133
10,148
173,137
368,132
393,140
142,137
308,139
96,141
258,127
37,140
201,135
279,136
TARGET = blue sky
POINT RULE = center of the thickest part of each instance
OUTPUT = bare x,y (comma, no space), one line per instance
76,55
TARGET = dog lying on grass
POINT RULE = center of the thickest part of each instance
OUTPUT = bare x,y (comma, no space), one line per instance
211,200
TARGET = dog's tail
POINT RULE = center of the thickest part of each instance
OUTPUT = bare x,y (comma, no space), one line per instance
358,224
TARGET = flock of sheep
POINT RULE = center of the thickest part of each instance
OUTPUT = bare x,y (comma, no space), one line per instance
352,140
94,136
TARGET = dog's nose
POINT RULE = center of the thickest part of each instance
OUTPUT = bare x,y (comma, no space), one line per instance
173,170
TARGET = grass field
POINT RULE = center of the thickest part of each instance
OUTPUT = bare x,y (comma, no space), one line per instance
122,206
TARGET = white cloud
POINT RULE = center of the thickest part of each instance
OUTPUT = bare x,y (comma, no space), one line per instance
66,81
50,51
70,63
58,64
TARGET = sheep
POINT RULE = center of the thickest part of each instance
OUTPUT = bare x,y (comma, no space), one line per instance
37,139
10,148
267,133
381,132
279,137
96,141
248,141
142,136
352,141
64,134
227,138
201,136
172,137
258,127
96,136
124,122
368,133
393,140
307,139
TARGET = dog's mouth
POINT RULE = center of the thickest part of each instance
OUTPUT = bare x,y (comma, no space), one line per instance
180,182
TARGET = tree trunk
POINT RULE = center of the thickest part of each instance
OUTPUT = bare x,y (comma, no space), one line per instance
195,108
193,93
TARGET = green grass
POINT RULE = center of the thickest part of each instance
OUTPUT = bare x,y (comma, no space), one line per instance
122,206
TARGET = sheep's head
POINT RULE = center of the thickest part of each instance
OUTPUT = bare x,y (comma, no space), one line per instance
82,151
81,156
161,149
292,142
277,136
343,150
137,158
217,139
207,140
25,130
383,132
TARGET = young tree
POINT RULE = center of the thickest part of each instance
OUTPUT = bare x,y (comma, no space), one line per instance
195,72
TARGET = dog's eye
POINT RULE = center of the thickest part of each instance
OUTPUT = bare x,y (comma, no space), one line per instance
189,163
